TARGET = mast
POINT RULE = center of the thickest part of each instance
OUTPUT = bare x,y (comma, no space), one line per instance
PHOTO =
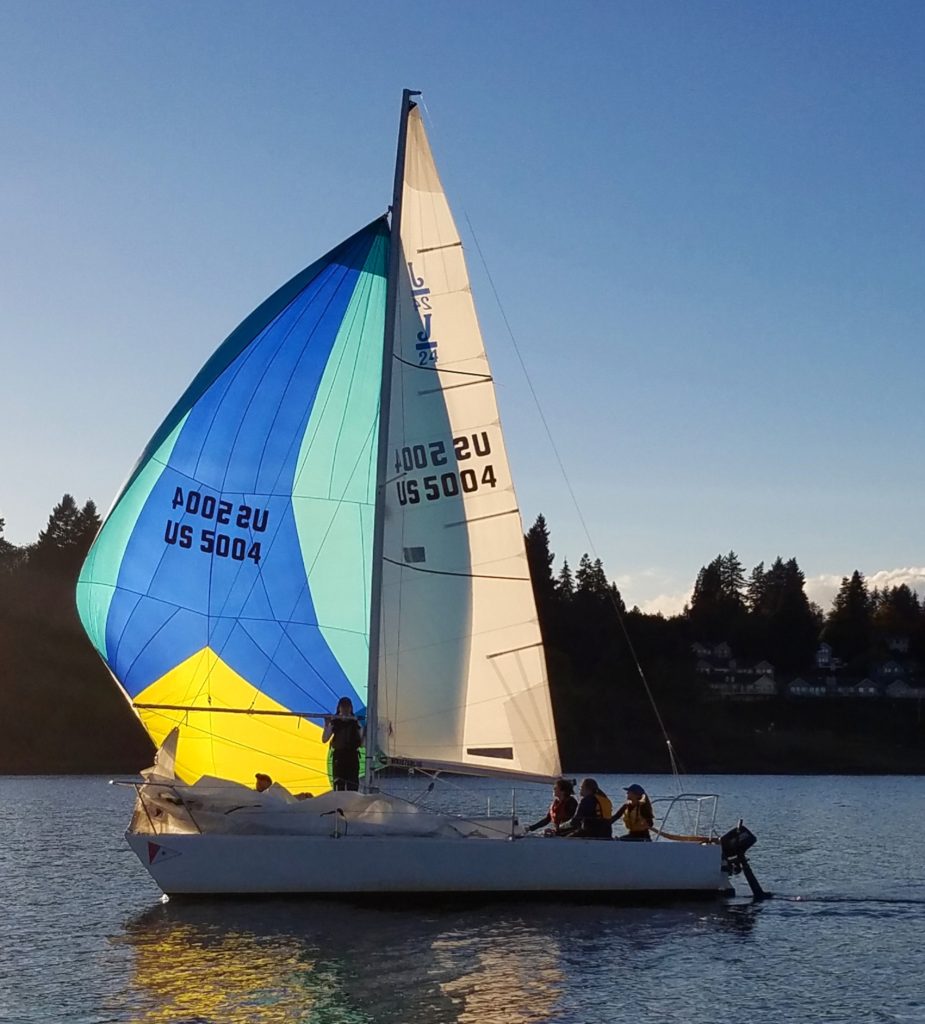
382,462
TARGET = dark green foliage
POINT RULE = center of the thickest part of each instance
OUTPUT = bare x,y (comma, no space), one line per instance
540,560
62,711
718,611
784,628
604,718
849,624
565,582
11,557
65,541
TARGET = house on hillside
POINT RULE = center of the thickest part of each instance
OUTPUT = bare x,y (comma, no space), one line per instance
824,656
744,687
899,689
897,643
716,660
800,687
864,688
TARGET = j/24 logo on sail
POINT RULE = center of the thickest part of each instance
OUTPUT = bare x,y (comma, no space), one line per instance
425,346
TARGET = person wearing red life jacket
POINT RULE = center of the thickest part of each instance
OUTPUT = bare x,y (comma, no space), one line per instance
562,809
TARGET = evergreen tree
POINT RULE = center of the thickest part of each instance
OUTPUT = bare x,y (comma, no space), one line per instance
732,578
540,559
63,544
583,575
565,582
538,554
717,611
848,626
896,612
88,525
11,557
790,627
755,589
616,598
591,581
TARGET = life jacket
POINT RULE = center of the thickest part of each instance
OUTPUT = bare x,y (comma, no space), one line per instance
345,735
635,820
561,811
604,806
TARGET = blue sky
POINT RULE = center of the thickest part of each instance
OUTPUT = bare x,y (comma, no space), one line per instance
705,222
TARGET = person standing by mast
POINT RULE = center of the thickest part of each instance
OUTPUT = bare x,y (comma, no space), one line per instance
342,730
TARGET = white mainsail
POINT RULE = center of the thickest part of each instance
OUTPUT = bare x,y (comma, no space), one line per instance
462,671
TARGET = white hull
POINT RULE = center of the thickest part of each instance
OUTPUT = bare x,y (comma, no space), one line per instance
323,866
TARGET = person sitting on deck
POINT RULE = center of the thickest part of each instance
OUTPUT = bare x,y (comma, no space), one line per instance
562,809
592,819
637,815
265,784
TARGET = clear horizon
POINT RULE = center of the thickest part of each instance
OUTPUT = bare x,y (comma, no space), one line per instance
705,222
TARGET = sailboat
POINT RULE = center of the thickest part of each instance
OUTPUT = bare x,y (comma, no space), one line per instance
328,511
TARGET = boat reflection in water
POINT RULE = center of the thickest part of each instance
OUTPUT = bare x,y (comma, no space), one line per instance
267,962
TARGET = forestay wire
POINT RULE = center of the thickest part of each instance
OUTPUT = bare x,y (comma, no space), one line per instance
676,766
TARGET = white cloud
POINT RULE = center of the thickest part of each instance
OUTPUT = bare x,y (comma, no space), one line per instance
667,604
822,588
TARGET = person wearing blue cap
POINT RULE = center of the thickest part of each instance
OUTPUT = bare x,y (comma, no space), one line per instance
637,815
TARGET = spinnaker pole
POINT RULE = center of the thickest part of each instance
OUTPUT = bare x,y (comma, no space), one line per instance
382,461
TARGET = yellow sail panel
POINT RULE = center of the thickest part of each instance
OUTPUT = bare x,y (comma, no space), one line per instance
226,743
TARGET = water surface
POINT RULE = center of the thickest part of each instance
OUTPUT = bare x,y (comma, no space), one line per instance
84,936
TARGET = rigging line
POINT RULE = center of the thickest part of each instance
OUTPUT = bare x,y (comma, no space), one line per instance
572,495
441,369
229,711
446,572
674,760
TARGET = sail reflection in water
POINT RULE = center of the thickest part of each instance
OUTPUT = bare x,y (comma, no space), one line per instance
269,963
510,975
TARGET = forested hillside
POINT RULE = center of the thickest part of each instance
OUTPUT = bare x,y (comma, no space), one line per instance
621,680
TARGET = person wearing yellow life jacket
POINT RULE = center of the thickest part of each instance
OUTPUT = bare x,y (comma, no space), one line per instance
562,809
592,819
637,815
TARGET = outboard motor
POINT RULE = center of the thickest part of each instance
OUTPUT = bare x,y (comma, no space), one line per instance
735,844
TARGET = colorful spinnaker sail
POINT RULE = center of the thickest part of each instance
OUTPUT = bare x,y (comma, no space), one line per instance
462,669
230,590
232,576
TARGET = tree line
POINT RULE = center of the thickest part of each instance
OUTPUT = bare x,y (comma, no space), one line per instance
62,712
65,713
764,614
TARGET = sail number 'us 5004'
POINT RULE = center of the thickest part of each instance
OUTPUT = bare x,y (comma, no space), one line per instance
223,513
446,482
